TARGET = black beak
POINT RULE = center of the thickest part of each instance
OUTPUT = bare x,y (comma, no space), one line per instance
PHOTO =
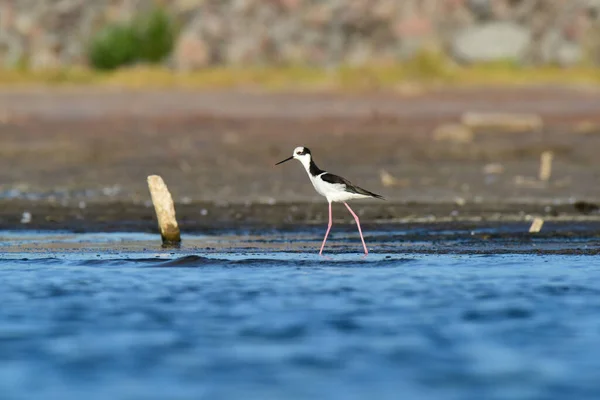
287,159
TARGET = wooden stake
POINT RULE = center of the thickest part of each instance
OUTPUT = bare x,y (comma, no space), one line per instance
165,211
546,166
536,225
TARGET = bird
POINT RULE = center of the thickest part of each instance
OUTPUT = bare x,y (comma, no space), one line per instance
333,187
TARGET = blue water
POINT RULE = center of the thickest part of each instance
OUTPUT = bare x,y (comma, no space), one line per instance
288,325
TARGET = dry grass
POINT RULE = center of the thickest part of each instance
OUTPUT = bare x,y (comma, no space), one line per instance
421,73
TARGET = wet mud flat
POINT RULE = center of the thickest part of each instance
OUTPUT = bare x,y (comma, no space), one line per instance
474,237
78,159
417,227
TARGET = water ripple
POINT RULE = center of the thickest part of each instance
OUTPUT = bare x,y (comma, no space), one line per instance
294,326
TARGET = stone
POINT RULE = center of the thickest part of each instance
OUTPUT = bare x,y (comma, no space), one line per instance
242,51
456,133
187,5
45,59
388,180
556,49
12,50
586,127
6,16
26,217
494,41
414,27
569,54
191,53
24,23
483,9
503,122
493,169
46,53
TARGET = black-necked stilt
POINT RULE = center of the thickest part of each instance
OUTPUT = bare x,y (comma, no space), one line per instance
333,187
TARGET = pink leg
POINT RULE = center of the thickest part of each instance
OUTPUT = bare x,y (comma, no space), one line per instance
358,225
328,228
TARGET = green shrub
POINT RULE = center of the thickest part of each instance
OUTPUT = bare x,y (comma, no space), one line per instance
156,33
147,38
113,46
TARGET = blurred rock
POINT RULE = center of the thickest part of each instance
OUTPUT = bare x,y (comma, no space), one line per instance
388,180
191,53
585,207
495,41
583,127
556,49
505,122
493,169
26,217
456,133
482,9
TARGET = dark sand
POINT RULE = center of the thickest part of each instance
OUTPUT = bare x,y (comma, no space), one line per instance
78,159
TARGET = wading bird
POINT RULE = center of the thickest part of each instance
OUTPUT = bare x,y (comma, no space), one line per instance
332,187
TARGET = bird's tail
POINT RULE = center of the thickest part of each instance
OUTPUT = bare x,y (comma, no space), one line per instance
370,194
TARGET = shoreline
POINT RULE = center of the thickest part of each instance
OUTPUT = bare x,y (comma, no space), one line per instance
203,217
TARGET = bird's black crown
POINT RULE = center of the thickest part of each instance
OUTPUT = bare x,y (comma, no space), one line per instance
305,150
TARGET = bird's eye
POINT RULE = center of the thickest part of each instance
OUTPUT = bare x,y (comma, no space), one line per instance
298,153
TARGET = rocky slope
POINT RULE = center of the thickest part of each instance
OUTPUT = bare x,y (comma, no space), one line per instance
55,33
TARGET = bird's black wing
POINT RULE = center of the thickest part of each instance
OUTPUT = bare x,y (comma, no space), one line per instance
349,187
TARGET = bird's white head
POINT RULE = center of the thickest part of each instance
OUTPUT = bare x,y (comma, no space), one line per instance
301,154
